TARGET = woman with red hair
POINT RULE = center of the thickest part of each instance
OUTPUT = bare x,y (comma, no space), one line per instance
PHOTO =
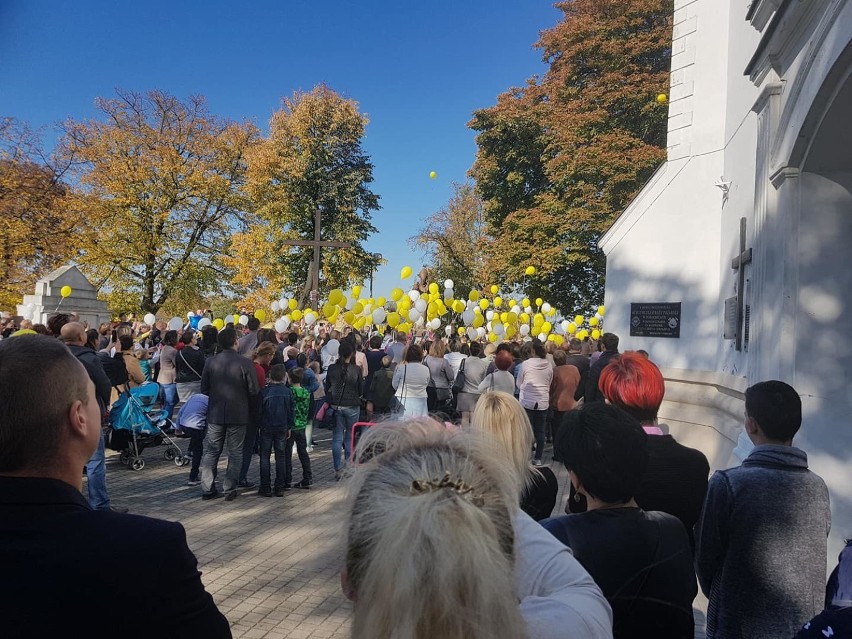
676,479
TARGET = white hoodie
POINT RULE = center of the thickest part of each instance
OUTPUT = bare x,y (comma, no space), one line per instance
534,383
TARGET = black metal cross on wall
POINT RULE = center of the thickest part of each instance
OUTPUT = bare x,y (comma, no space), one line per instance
738,264
312,284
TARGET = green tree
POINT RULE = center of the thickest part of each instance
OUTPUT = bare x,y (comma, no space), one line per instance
161,185
311,160
453,240
559,159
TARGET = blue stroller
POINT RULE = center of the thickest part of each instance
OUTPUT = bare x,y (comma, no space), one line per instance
138,423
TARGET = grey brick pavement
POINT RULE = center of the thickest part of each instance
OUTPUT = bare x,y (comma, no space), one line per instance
271,564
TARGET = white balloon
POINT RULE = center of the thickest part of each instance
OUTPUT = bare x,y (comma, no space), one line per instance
498,329
414,295
205,321
516,309
421,305
471,333
150,318
276,306
524,329
413,315
448,293
449,284
467,316
480,332
448,330
435,324
229,319
333,347
489,315
310,318
175,324
564,325
599,316
528,309
282,304
542,337
379,316
420,321
243,319
545,308
281,324
190,314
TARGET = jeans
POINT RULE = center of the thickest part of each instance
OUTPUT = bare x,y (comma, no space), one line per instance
218,436
96,478
273,440
298,438
344,419
170,399
196,447
415,407
312,422
537,418
248,451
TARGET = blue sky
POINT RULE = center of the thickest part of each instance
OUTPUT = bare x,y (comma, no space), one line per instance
417,69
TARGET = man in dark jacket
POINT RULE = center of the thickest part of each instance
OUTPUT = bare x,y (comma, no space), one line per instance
74,336
610,343
49,427
230,382
575,358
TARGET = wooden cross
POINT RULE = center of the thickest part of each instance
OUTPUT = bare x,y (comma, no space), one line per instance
738,264
312,283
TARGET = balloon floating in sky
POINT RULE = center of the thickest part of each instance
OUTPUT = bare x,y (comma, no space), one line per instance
405,273
65,291
662,98
433,174
530,270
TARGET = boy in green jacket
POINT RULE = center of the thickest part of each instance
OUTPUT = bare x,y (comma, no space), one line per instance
301,410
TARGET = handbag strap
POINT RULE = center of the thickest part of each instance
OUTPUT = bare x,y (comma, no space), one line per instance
404,373
343,372
197,374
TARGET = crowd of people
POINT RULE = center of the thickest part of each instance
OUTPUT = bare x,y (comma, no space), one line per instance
446,485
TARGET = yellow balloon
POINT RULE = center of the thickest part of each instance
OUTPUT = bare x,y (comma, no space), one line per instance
526,302
396,294
359,323
483,304
492,337
601,310
498,302
593,321
551,312
662,98
403,305
358,308
328,309
333,317
474,295
478,321
596,334
349,317
461,330
494,289
504,317
551,337
296,315
219,323
458,306
512,303
572,328
530,270
393,319
292,305
336,296
381,301
65,291
356,291
538,319
405,273
525,318
404,327
512,317
433,288
510,331
579,319
432,174
539,301
546,327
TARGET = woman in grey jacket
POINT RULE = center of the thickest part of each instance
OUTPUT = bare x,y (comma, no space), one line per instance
343,386
438,391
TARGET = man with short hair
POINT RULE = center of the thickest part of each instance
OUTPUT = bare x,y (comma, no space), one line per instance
610,343
576,358
761,538
396,349
74,336
248,342
49,427
230,383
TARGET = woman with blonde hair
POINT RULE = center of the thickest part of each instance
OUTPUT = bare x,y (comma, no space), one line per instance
436,546
504,421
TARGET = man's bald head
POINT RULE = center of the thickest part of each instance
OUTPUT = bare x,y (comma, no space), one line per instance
73,333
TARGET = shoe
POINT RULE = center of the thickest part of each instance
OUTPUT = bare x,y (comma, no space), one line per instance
304,485
193,482
279,492
287,486
231,495
246,484
337,475
264,493
536,462
214,495
117,509
309,449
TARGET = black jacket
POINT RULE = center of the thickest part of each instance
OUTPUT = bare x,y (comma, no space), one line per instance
92,363
61,558
593,393
344,391
187,359
583,364
230,382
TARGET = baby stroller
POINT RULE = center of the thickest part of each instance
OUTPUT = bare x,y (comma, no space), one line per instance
137,424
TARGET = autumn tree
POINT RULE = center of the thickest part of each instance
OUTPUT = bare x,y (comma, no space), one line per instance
559,159
311,160
161,186
36,234
453,240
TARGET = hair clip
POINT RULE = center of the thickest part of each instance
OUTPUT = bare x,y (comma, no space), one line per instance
420,486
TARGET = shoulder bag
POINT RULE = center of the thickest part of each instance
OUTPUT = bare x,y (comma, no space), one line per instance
458,385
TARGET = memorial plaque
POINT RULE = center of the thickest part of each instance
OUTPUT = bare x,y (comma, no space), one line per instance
731,316
655,319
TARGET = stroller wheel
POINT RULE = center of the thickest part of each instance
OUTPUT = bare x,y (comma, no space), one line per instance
170,454
180,460
124,457
138,464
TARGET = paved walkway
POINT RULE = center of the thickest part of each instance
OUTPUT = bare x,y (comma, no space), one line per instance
271,564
